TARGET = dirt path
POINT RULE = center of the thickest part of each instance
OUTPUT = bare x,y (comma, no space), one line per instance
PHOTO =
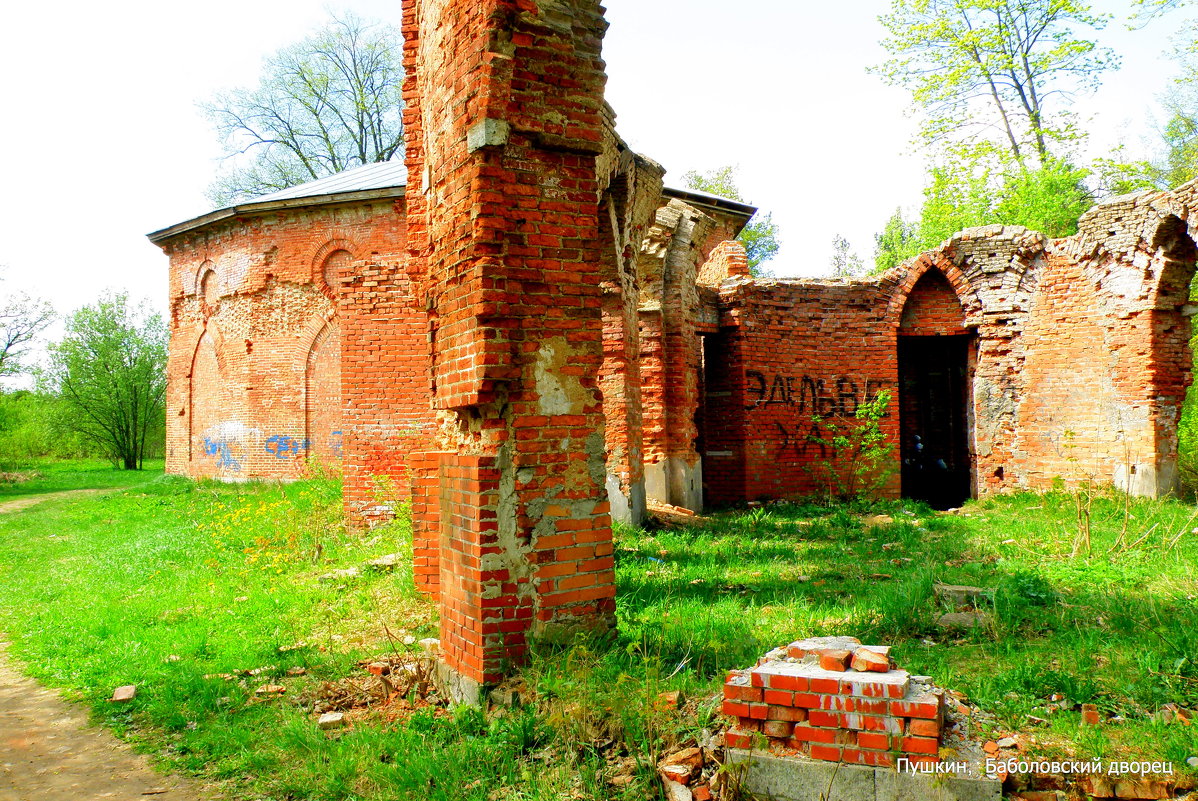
48,752
30,500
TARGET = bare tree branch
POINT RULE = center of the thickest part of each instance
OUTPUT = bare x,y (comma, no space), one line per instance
328,103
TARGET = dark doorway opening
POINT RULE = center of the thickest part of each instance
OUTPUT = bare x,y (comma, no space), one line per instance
933,397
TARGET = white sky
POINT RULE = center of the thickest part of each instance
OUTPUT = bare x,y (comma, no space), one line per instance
103,143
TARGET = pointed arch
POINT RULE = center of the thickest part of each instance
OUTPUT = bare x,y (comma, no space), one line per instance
322,393
205,396
946,271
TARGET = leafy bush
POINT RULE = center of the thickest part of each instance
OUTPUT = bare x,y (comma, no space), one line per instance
857,456
31,428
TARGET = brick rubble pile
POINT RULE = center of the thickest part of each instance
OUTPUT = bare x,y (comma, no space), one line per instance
833,698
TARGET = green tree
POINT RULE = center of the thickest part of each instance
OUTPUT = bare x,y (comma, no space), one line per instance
331,102
898,241
760,236
1049,199
967,193
975,67
110,371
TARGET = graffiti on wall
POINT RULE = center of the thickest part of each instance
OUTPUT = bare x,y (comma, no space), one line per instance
223,453
282,446
838,396
227,443
807,399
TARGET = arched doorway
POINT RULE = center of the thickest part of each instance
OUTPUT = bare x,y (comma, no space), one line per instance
935,352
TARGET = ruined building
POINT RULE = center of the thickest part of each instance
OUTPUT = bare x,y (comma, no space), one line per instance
526,335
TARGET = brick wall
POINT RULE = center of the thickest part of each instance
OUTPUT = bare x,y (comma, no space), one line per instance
254,360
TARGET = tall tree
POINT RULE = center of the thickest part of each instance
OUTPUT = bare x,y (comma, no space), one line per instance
897,242
760,236
845,263
110,369
995,73
22,318
323,105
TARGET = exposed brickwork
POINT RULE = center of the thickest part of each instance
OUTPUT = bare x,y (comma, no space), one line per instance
254,364
504,104
802,701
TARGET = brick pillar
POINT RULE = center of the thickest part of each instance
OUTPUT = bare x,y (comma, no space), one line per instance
504,116
426,519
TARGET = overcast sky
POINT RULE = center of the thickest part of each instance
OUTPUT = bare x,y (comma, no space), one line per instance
103,143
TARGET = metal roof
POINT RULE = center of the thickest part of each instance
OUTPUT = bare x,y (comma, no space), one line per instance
379,175
384,179
368,182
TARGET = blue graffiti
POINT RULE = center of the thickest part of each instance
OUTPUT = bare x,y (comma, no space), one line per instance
283,446
335,443
220,449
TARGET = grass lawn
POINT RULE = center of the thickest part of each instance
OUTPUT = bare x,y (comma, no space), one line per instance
169,583
57,476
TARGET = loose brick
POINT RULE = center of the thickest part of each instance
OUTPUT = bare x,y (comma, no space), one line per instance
837,660
868,661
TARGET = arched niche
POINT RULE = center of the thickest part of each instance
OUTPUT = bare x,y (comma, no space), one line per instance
322,394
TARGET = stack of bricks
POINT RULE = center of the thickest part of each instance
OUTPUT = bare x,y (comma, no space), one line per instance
833,698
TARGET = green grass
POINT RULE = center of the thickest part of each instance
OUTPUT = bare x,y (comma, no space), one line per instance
103,590
50,475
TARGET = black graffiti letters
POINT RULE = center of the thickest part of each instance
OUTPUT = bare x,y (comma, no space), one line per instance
839,396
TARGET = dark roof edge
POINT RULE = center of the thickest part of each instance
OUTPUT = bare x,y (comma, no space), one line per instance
265,207
704,199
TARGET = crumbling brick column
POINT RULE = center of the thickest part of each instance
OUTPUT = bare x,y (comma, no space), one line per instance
671,355
630,200
504,116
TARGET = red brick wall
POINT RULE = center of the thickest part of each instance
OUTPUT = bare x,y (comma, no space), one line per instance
386,393
253,290
791,355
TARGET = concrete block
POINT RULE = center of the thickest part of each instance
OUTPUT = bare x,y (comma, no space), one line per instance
895,786
780,779
799,779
